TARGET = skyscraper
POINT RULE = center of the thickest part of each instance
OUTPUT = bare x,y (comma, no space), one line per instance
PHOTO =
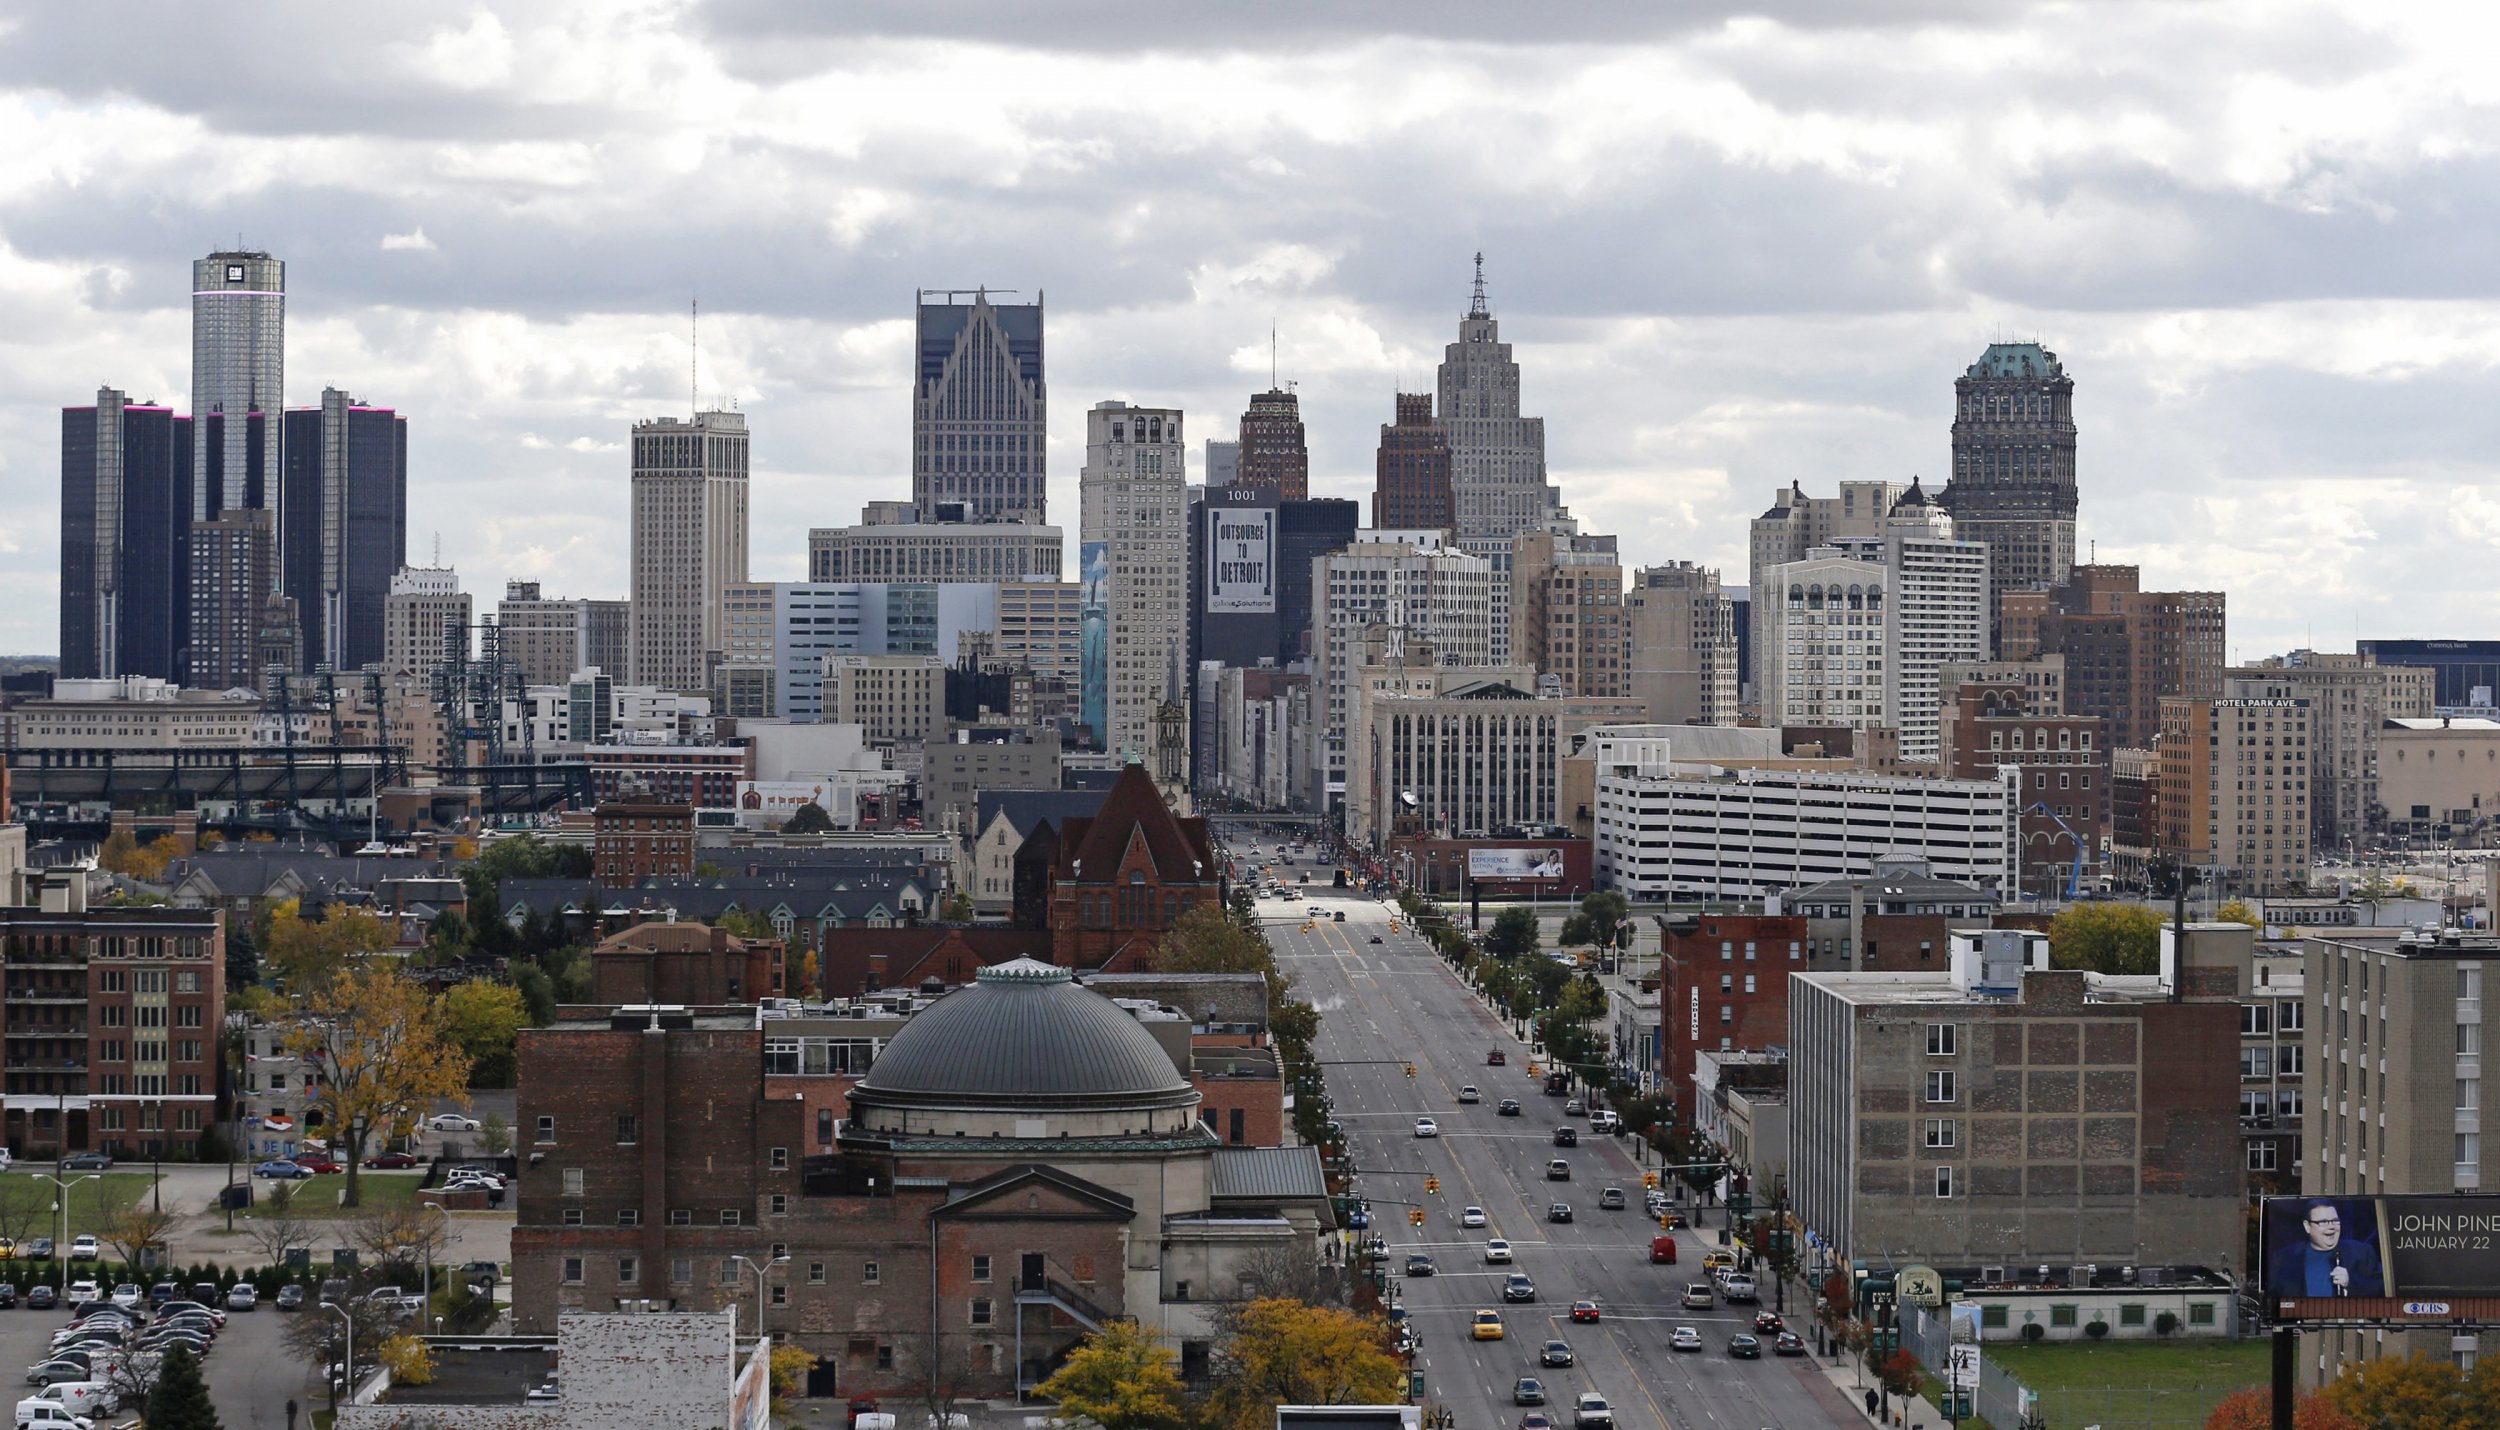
1794,525
1134,515
232,560
1411,478
1497,457
421,601
2013,482
979,405
1273,452
689,543
238,368
1680,639
346,502
1566,611
125,538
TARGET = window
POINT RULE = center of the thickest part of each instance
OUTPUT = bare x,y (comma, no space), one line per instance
2131,1315
1944,1182
2200,1313
1992,1316
2255,1105
572,1271
546,1132
868,1273
2291,1017
628,1129
572,1216
1940,1087
680,1216
781,1159
781,1204
728,1273
980,1310
1943,1039
2256,1062
980,1268
628,1271
572,1181
2062,1316
681,1271
2469,1149
885,1355
2254,1020
815,1273
2287,1060
729,1216
2261,1156
629,1216
2289,1102
1939,1132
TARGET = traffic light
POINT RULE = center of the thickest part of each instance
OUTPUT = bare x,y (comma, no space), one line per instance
1532,1069
1649,1179
1410,1070
1415,1217
1432,1184
1666,1221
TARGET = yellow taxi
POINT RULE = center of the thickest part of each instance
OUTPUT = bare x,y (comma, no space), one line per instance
1485,1326
1717,1260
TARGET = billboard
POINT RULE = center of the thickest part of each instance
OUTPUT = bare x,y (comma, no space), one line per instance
774,801
2382,1260
1535,861
1241,560
1093,575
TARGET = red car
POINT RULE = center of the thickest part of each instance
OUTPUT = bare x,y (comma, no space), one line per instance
1496,1058
319,1165
390,1159
1584,1311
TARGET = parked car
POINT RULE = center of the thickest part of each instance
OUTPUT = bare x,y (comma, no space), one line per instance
279,1170
320,1165
126,1294
386,1161
290,1297
47,1415
87,1162
8,1295
85,1247
57,1370
1359,1219
40,1249
476,1272
244,1297
334,1291
41,1298
453,1122
161,1292
1788,1343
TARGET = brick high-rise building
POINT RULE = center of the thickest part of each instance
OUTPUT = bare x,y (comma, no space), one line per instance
1411,479
1566,612
1723,984
1990,729
1273,452
638,839
2013,481
2127,648
233,565
2231,781
2351,699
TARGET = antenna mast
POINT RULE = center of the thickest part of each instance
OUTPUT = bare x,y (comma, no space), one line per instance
1271,357
694,357
1477,309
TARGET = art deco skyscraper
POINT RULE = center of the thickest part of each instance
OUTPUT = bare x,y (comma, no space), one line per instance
1411,481
2013,481
979,405
1134,519
1497,457
1273,452
238,368
689,543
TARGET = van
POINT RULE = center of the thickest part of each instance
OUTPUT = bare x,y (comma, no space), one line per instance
1662,1251
85,1399
48,1415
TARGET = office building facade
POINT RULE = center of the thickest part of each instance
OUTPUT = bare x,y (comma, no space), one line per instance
980,409
935,551
125,539
689,543
238,374
1796,525
2352,698
1497,457
1411,475
1135,545
2232,786
2126,648
344,525
1411,594
422,602
1566,612
1273,453
1937,614
232,561
1680,645
2013,482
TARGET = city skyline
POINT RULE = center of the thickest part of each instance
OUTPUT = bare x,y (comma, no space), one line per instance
2290,393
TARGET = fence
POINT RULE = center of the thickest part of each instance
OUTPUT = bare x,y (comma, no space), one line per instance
2006,1404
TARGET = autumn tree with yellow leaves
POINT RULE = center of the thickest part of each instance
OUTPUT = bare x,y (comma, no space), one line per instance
383,1053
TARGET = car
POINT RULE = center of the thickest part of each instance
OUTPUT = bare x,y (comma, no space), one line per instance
1485,1326
1699,1296
1768,1323
1584,1312
1558,1170
1575,1108
1426,1127
319,1165
191,1306
1527,1390
126,1294
40,1249
1375,937
1497,1251
387,1161
58,1371
477,1273
1610,1200
1558,1212
1535,1420
454,1122
1743,1346
1788,1343
1471,1217
8,1295
1359,1219
1419,1265
1509,1108
1685,1339
1496,1058
87,1162
334,1291
283,1171
1470,1094
1554,1353
244,1297
1719,1261
161,1292
85,1247
1591,1412
1566,1136
206,1295
290,1297
1517,1287
41,1298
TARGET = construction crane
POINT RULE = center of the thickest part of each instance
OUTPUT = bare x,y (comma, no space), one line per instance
2074,877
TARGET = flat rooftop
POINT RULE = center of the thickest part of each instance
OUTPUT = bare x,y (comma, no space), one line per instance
480,1373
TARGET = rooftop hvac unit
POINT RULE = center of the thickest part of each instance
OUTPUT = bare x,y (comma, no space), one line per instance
2078,1276
1992,1275
2127,1274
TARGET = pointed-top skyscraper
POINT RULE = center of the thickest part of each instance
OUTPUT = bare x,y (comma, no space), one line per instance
1497,457
979,409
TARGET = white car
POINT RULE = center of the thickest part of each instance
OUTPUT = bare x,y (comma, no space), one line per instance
1426,1127
81,1292
1497,1251
85,1247
1469,1094
454,1122
128,1294
1685,1339
1473,1216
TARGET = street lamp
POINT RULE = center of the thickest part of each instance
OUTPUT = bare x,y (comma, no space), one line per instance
759,1269
348,1373
437,1208
62,1250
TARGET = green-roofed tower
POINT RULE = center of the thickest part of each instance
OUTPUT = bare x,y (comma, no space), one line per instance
2013,479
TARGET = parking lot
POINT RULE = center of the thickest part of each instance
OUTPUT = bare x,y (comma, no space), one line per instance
250,1374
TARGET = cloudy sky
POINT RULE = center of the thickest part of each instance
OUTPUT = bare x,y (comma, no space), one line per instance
1734,249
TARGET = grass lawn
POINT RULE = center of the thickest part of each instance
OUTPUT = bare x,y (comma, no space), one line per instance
2155,1383
319,1196
26,1203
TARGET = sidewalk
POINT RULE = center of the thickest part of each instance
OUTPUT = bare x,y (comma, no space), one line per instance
1850,1381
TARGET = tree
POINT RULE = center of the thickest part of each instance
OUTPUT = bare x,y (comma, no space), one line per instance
1287,1353
123,854
2233,911
1606,911
1514,932
1283,1273
484,1020
384,1056
410,1361
746,923
2106,938
179,1400
307,954
277,1226
242,956
494,1135
1898,1371
401,1238
2253,1409
959,908
809,818
2415,1393
538,993
134,1232
1121,1378
790,1365
316,1338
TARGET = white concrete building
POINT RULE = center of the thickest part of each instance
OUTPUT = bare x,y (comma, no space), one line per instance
420,600
1133,502
689,542
1938,615
935,551
1797,524
1669,830
1440,596
1821,660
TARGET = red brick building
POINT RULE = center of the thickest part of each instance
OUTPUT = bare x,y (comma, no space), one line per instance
1723,983
112,1021
1411,480
685,963
1984,731
1124,876
638,840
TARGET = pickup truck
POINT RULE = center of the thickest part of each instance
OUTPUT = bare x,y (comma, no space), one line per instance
1735,1288
1591,1412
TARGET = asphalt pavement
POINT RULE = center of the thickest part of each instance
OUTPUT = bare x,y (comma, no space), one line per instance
1387,1004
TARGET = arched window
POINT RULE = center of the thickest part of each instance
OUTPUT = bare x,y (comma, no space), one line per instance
1874,598
1857,597
1814,597
1796,594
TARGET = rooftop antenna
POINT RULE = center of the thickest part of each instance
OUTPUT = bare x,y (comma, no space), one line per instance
1477,309
694,358
1271,357
438,551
